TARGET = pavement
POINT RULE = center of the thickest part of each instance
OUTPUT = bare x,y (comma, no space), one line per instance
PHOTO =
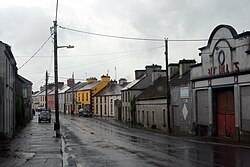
35,145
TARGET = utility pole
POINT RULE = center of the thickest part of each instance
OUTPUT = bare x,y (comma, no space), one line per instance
73,96
46,91
168,87
56,124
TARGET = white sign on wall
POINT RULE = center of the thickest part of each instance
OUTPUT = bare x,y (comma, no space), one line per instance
184,93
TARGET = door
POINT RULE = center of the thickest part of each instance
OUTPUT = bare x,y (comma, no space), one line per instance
225,112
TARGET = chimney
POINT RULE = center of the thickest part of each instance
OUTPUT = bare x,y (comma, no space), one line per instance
105,78
184,66
91,79
173,68
112,82
139,73
122,81
157,74
153,67
70,82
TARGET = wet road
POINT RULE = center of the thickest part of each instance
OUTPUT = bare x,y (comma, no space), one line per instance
95,142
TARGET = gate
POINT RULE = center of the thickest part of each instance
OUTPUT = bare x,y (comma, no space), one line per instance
225,112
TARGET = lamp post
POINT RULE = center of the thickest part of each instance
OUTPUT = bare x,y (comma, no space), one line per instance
57,123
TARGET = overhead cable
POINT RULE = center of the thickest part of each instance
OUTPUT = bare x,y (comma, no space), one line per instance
35,52
108,53
113,36
133,38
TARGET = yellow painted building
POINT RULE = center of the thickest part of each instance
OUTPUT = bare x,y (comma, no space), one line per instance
85,95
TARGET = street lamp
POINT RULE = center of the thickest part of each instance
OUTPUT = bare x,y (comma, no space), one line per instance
57,123
68,47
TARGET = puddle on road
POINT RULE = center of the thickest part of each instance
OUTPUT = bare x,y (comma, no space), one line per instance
24,155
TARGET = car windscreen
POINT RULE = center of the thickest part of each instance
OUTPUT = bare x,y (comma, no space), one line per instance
45,113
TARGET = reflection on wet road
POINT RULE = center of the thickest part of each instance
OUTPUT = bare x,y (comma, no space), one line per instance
94,142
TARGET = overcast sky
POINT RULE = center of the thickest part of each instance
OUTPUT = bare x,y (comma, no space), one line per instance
25,26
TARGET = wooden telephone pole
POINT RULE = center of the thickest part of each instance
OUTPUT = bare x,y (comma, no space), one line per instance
168,87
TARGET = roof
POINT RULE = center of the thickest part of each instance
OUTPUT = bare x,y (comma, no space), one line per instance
52,92
111,90
176,80
37,93
43,92
64,89
90,85
131,84
25,80
156,91
76,87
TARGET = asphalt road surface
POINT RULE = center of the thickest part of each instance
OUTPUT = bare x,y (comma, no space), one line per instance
94,142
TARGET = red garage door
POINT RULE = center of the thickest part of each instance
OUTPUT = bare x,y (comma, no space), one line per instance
225,113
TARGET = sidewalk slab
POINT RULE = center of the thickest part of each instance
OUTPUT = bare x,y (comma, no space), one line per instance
35,145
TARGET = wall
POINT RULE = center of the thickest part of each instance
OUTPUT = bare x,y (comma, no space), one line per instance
155,115
224,68
181,109
7,75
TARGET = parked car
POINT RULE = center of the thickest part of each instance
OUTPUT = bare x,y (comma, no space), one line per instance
44,116
39,109
85,113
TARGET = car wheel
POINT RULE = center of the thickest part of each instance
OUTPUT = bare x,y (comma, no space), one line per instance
39,121
49,120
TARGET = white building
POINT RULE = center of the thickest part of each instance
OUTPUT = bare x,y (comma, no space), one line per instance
221,85
104,101
62,99
8,73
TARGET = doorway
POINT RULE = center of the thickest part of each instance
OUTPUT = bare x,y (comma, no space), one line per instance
225,112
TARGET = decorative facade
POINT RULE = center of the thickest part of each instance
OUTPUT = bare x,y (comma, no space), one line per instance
221,85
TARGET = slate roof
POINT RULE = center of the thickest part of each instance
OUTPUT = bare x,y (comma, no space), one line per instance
25,80
43,92
156,91
76,87
159,89
112,90
90,85
133,83
176,80
64,89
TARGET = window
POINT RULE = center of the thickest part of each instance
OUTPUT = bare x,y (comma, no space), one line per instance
87,96
96,108
101,109
164,117
153,117
82,96
143,117
147,119
111,109
138,116
105,112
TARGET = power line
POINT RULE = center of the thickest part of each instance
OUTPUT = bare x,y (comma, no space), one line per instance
132,38
113,36
102,54
35,52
